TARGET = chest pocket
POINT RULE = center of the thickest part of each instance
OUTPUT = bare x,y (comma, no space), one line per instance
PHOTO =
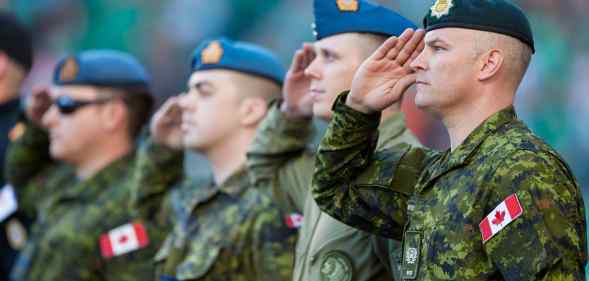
187,260
217,232
396,171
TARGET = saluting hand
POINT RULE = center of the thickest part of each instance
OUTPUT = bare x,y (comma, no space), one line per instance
297,100
383,77
37,104
165,125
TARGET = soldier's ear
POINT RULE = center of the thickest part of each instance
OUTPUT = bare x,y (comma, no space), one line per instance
114,115
252,110
3,64
490,64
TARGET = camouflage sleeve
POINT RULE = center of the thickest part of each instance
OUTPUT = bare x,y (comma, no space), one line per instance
278,158
548,240
156,170
363,189
26,158
273,247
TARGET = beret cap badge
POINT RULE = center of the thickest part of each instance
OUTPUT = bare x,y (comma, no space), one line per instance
212,54
441,8
69,70
347,5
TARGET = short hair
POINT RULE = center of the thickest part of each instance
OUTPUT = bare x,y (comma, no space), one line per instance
257,86
139,103
517,54
370,42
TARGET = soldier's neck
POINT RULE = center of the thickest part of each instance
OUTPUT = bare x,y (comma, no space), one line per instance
390,111
228,156
95,162
461,121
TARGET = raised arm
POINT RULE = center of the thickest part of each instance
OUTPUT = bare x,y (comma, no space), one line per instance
361,188
28,155
278,157
159,165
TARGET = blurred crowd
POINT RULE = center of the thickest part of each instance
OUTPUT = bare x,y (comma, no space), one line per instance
552,100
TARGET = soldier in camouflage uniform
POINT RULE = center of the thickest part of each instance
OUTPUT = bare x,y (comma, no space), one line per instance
99,103
500,204
222,228
279,160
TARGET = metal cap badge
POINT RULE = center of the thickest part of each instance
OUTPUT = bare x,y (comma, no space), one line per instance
441,8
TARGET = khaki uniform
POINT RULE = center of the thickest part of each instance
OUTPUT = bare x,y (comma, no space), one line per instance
326,249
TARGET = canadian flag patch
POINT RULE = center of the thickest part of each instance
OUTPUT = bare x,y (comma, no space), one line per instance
294,220
123,239
506,212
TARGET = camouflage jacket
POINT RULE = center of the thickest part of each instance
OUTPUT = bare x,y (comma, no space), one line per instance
71,216
156,171
227,232
327,249
501,206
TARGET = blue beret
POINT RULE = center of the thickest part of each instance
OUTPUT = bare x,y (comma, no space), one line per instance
498,16
342,16
244,57
108,68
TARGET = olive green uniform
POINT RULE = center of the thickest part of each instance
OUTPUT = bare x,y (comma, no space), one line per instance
326,249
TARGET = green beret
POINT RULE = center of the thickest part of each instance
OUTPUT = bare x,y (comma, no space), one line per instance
498,16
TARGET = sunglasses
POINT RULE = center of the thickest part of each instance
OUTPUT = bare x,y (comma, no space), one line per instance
67,105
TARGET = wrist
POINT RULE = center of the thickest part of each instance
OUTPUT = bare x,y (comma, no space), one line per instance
293,112
356,104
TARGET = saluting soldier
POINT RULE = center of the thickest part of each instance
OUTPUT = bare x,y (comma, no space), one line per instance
70,170
280,159
222,228
500,204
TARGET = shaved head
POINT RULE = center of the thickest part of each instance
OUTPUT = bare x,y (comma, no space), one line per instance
255,86
517,55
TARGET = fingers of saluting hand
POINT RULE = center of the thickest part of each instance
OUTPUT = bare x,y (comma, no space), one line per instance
298,61
408,50
170,108
302,58
387,46
407,44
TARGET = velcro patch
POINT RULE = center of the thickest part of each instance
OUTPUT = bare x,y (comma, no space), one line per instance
506,212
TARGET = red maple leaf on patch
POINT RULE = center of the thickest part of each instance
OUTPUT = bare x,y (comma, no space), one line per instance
123,239
499,217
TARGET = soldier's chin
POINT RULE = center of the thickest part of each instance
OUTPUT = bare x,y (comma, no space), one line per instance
322,111
421,101
57,153
193,144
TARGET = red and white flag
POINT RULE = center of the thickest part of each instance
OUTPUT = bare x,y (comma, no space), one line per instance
294,220
506,212
123,239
